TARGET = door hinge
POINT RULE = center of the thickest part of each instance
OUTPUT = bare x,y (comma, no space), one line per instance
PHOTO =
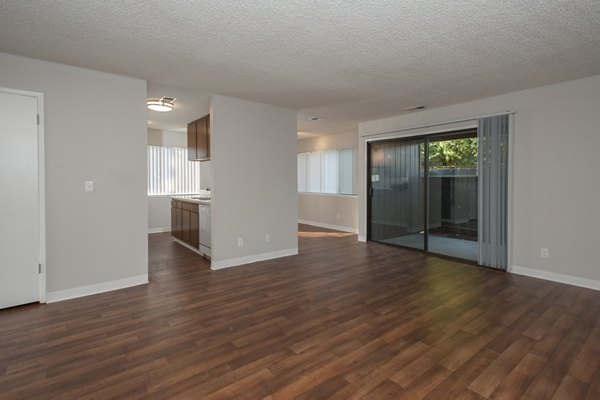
38,118
39,268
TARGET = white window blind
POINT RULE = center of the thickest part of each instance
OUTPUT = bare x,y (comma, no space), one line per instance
347,171
313,173
328,171
302,165
170,172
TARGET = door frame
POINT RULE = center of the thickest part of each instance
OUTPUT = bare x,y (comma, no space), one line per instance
427,138
41,185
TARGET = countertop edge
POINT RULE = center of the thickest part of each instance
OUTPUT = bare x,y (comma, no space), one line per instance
194,201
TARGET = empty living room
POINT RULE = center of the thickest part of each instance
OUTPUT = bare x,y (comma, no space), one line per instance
299,200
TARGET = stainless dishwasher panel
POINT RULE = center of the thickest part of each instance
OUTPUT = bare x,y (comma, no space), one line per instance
204,212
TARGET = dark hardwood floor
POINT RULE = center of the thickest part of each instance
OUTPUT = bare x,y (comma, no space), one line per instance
342,320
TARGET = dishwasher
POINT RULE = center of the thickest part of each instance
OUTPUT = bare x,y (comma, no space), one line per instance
204,212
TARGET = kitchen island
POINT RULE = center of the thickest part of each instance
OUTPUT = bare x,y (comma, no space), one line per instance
190,223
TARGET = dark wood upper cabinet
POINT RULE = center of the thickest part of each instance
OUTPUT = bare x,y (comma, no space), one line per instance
199,139
192,141
207,117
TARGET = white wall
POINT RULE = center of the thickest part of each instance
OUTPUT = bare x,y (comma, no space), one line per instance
329,211
556,189
254,177
324,209
159,137
326,142
95,128
159,214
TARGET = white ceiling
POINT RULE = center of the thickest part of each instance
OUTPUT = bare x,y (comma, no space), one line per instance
342,60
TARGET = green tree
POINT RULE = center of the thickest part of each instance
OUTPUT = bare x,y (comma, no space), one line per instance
458,153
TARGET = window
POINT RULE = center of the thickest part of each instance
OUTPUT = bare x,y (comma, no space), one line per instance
170,172
328,171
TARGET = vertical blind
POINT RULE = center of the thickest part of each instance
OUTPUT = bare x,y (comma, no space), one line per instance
170,172
493,191
328,171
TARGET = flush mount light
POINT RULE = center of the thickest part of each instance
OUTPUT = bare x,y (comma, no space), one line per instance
163,104
414,108
314,119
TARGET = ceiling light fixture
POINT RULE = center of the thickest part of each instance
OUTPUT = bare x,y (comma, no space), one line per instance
314,118
414,108
163,104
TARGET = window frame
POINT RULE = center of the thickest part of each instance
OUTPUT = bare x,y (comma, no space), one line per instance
318,174
170,173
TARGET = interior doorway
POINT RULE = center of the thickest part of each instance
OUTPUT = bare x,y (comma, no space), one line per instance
423,193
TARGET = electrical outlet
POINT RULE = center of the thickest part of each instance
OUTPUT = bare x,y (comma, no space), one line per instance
544,253
337,217
88,186
240,242
267,237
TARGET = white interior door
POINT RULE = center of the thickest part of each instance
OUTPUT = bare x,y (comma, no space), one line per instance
19,200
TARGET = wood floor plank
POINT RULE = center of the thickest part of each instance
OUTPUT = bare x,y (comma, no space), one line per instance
542,387
587,362
326,372
570,388
454,385
342,320
380,373
387,390
520,377
491,377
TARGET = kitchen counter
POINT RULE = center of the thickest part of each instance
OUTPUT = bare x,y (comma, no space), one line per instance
193,199
190,222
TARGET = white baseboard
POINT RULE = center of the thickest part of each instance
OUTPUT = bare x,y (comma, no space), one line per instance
328,226
159,230
88,290
556,277
232,262
362,238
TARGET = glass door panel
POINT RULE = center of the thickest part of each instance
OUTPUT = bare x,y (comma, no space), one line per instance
397,193
452,196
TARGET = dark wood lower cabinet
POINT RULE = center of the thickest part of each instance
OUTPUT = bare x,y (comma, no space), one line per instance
174,225
185,222
185,231
195,228
179,223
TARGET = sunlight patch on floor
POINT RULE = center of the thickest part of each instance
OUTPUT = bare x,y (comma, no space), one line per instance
307,234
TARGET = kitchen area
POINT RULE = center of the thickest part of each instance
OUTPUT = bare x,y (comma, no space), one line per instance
190,222
190,207
190,214
222,177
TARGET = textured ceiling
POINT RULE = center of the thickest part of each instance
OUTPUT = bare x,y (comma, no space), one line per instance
342,60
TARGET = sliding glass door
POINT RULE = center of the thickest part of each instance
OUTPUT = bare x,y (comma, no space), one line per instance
452,200
423,193
397,193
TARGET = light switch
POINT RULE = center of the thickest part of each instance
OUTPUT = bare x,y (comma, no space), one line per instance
89,186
